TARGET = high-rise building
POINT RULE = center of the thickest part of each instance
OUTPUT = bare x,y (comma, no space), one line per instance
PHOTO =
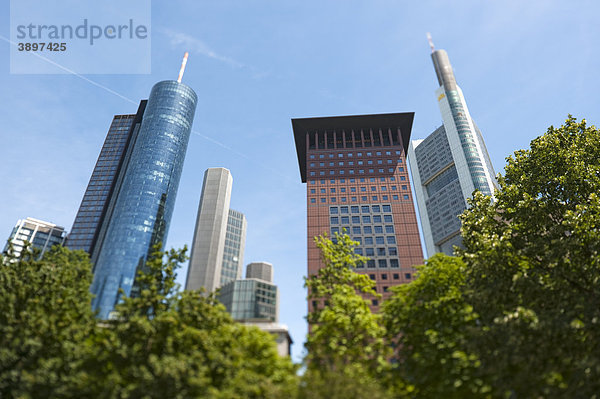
41,235
357,181
449,164
255,297
129,201
103,188
218,248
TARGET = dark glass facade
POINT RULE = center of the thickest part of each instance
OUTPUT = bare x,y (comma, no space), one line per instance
140,208
102,190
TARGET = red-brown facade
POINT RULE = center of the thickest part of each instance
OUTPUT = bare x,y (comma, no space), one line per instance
357,180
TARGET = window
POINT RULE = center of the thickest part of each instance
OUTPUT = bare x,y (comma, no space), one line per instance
387,218
369,162
343,189
312,182
389,229
340,155
353,199
391,239
361,171
402,178
372,276
385,288
394,263
387,208
363,189
334,220
342,180
355,219
366,219
395,197
367,229
374,198
371,263
312,190
332,199
405,196
322,191
376,218
378,229
392,251
332,181
394,188
371,171
378,153
407,276
344,209
383,188
343,199
370,251
322,199
404,187
355,229
312,156
360,162
375,302
384,197
346,220
333,210
331,163
358,251
321,156
380,162
331,172
354,209
322,181
368,240
364,198
362,179
312,173
396,276
353,189
373,188
392,178
401,169
388,153
312,200
380,251
365,209
379,240
352,180
384,275
376,209
332,189
321,163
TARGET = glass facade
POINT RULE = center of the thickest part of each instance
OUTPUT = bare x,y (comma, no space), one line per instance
146,197
41,235
233,251
102,190
250,299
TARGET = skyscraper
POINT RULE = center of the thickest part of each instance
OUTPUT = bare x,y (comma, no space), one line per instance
255,297
42,235
356,176
129,201
218,248
449,164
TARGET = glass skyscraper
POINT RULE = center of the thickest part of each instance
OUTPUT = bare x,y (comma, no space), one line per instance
449,164
130,198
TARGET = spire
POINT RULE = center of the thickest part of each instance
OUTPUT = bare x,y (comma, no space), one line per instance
430,42
185,57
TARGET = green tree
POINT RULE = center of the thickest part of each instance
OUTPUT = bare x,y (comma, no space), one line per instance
533,268
45,321
346,352
432,323
168,343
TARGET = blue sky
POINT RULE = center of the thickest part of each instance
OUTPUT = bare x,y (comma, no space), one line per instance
522,66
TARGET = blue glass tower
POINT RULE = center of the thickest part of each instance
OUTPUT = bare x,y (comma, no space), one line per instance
142,208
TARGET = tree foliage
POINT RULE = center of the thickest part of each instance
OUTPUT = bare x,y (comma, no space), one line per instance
533,267
163,342
346,349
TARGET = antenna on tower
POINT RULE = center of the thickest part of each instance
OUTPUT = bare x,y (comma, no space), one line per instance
430,42
185,57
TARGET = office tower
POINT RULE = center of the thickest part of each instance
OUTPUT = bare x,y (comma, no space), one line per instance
129,201
449,164
218,247
356,176
103,188
255,297
42,235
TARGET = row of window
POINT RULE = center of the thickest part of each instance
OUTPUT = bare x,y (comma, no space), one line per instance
351,163
361,180
362,199
332,190
360,209
365,219
352,172
351,154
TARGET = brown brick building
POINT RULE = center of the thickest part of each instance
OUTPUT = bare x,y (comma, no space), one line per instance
357,179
